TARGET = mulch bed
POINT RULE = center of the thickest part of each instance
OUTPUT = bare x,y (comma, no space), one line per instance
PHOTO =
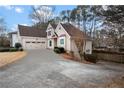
70,57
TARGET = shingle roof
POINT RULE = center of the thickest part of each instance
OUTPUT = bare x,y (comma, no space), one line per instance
54,25
31,31
13,33
73,31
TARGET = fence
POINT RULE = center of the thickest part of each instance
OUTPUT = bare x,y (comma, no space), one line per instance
109,56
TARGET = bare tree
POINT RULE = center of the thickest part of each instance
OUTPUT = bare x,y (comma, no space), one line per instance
2,31
65,15
42,13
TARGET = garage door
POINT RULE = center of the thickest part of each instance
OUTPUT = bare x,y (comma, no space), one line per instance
35,45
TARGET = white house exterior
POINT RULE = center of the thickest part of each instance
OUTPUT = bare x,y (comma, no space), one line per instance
65,35
51,36
61,35
30,37
14,38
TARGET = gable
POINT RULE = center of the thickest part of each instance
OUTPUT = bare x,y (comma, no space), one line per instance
61,31
51,31
49,28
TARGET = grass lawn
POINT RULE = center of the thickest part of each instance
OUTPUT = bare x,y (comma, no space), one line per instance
9,57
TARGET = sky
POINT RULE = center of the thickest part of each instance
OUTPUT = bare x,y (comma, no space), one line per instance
19,14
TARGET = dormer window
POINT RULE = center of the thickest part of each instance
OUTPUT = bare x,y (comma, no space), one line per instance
49,33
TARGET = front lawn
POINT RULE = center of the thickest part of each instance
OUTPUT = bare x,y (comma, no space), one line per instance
9,57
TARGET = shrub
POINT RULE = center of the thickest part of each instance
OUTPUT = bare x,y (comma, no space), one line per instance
20,49
4,49
90,57
18,45
62,49
59,49
13,49
121,50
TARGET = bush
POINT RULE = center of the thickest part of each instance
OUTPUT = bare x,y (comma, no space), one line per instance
4,49
121,50
18,45
90,57
62,49
20,49
13,49
59,49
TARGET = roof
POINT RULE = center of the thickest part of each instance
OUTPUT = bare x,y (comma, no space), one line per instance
31,31
54,26
73,31
13,33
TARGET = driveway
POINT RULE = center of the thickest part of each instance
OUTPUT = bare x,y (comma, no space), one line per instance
44,68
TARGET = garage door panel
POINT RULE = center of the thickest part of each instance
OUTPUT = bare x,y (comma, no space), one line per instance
35,45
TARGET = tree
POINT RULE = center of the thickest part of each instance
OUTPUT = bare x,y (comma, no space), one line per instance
73,15
114,23
42,13
65,15
95,21
2,31
83,14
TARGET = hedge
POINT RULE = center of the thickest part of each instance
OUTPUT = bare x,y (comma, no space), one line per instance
10,49
59,50
90,57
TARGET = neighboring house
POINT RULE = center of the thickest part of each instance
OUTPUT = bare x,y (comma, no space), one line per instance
14,38
68,37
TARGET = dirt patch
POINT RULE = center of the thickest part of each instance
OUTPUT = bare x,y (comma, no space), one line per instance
67,56
9,57
70,57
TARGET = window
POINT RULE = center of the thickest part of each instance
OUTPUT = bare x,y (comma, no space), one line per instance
49,33
33,42
49,28
50,43
42,42
61,41
27,42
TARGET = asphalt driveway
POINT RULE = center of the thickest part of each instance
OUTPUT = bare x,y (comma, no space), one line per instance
44,68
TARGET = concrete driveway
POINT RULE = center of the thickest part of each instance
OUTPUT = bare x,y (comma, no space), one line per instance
44,68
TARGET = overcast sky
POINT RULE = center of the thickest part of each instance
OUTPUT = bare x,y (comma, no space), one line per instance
19,14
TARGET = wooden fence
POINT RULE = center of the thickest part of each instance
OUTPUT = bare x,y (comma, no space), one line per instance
109,56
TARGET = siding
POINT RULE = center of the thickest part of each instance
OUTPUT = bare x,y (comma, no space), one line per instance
67,37
24,39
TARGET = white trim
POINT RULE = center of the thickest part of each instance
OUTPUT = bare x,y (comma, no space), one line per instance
63,28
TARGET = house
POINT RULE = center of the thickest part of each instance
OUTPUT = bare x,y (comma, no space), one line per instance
30,37
69,37
14,38
55,35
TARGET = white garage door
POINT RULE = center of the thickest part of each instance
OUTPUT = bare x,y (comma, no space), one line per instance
35,45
